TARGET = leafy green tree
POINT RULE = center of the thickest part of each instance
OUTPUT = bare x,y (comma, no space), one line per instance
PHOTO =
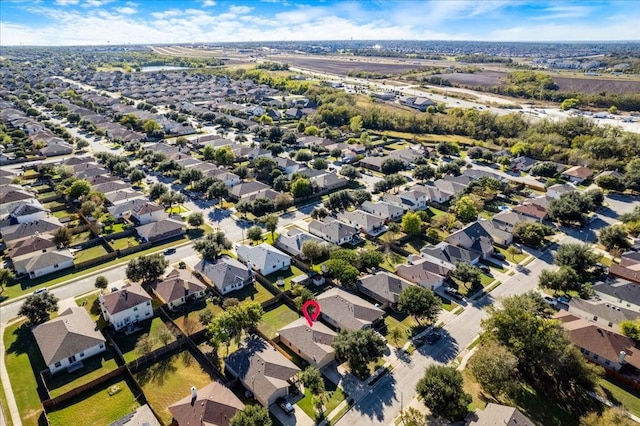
78,188
544,169
313,380
411,224
350,172
579,257
320,164
109,221
234,322
62,236
569,103
252,415
631,329
195,219
343,271
224,156
442,392
419,302
157,190
413,417
531,234
101,282
359,348
38,307
301,294
370,258
146,268
392,165
301,187
312,250
495,368
610,416
609,182
211,245
271,223
466,210
136,176
614,236
254,233
468,274
5,277
355,124
424,172
208,153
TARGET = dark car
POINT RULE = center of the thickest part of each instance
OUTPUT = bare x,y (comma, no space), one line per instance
499,256
285,406
169,251
433,337
485,269
453,292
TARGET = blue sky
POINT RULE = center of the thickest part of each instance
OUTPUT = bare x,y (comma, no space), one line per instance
86,22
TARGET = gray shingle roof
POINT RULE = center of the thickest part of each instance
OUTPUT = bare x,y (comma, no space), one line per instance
314,342
384,285
224,271
349,311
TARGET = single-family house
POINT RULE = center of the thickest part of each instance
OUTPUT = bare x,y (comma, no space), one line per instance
417,102
382,209
522,163
534,211
247,188
555,191
424,272
577,174
373,163
44,263
628,268
287,165
365,222
480,236
264,258
125,209
226,274
161,230
507,220
262,370
111,186
384,287
412,199
24,212
329,181
37,244
68,339
313,344
495,414
26,230
293,239
346,311
123,196
213,405
178,287
148,212
334,231
620,292
604,347
125,306
606,314
55,148
449,254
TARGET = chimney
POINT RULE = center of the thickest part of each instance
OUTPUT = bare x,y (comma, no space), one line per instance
194,394
621,356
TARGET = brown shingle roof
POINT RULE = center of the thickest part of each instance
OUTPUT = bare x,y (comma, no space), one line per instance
349,311
179,283
125,298
214,405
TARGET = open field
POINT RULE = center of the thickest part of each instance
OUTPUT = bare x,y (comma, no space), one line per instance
342,67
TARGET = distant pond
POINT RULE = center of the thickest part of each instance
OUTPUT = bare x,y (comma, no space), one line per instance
155,68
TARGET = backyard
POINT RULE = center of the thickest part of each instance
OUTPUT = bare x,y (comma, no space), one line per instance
169,380
154,328
90,253
275,319
123,243
187,316
256,292
335,397
113,400
286,275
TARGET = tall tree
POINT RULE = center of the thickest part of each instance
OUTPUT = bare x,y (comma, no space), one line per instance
195,219
146,268
359,348
101,282
441,390
271,223
211,245
468,274
252,415
466,210
62,236
411,223
419,302
5,276
580,257
614,236
38,307
495,368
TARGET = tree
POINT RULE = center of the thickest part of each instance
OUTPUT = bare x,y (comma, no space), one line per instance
423,172
254,233
301,187
466,210
208,153
320,164
101,282
396,334
413,417
569,103
419,302
544,169
157,190
495,368
355,124
109,221
411,224
136,176
513,251
579,257
271,223
392,165
531,234
195,219
81,144
313,380
370,258
252,415
441,390
350,172
5,276
88,207
38,307
610,416
235,321
78,188
312,250
609,182
614,236
359,348
631,329
224,156
144,345
304,155
146,268
211,245
468,274
343,271
301,294
62,236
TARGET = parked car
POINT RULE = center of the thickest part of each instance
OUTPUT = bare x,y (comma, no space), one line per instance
453,292
485,269
169,251
550,301
498,255
285,406
42,290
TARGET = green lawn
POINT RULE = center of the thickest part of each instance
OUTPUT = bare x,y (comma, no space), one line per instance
275,319
169,380
391,260
433,212
98,407
606,261
80,238
256,292
90,253
62,213
515,258
94,367
413,245
619,394
127,344
335,394
90,303
118,227
24,361
176,210
123,243
287,275
187,316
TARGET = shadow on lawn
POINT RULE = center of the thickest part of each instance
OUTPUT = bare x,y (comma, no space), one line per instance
26,344
158,372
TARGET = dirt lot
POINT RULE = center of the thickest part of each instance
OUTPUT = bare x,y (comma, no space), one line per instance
342,67
565,84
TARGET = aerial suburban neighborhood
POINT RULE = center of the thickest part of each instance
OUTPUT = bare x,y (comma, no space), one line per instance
163,228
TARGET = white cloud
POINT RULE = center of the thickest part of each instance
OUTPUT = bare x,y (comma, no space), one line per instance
564,12
166,14
240,10
66,2
208,3
127,10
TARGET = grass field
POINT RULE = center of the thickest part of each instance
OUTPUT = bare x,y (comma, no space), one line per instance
94,367
256,292
335,397
123,243
617,394
515,258
391,260
97,408
170,380
407,324
90,253
186,317
127,344
23,362
275,319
